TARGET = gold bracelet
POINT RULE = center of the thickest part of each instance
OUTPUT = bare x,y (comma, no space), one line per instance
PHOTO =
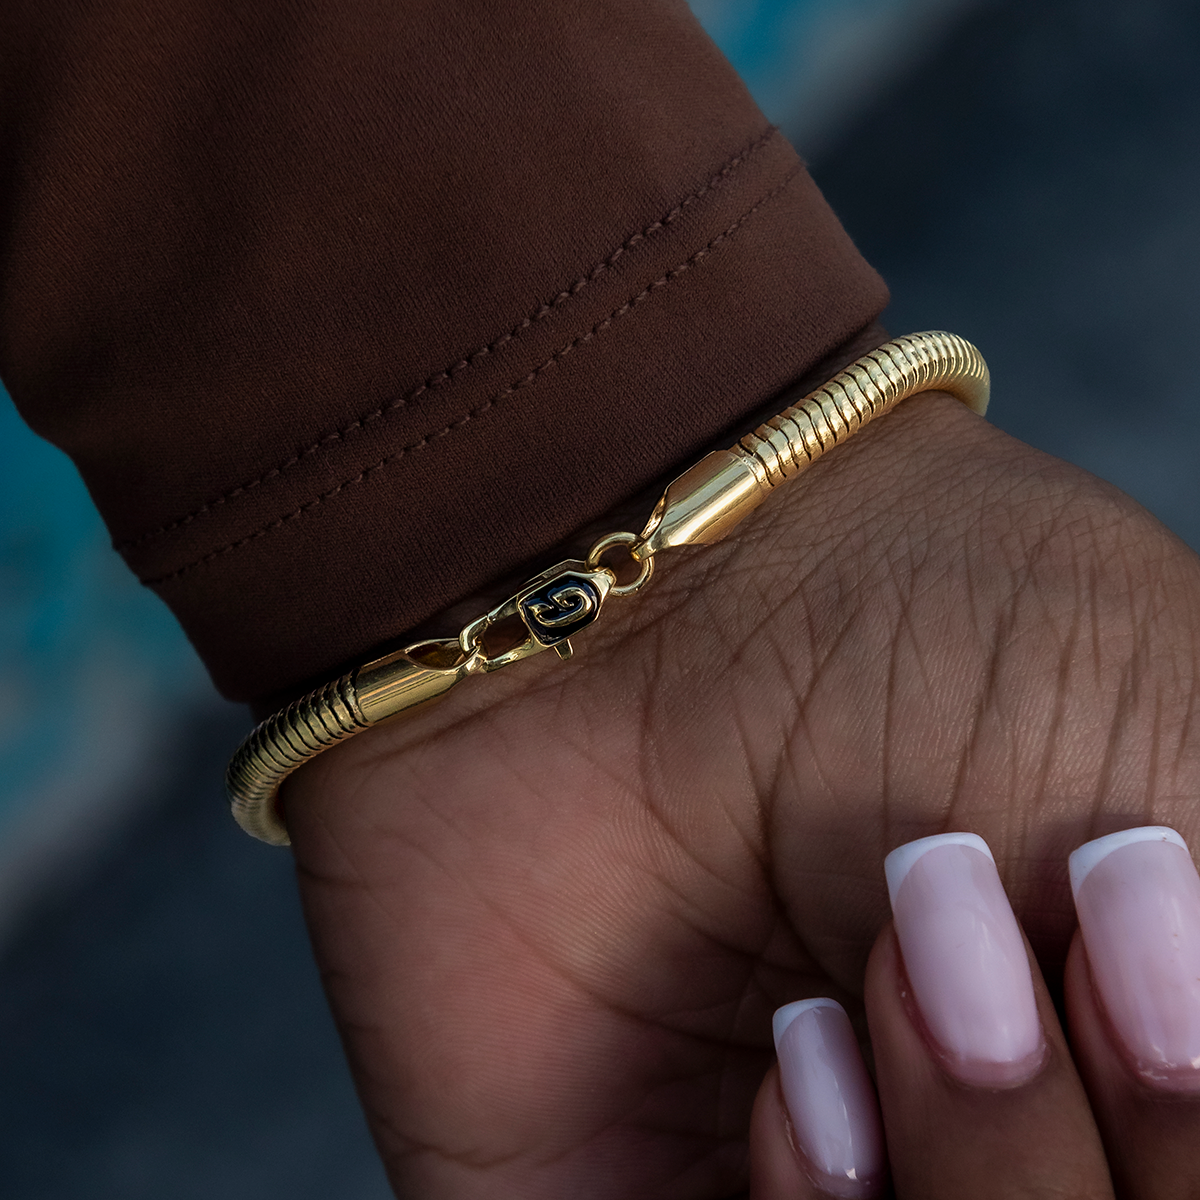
698,508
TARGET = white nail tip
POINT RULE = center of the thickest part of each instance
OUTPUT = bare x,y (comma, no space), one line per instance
898,864
1090,853
789,1012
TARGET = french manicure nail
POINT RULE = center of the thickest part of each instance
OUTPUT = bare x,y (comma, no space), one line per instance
830,1099
1137,896
965,959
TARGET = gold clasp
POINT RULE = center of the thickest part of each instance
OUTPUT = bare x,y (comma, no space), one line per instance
550,609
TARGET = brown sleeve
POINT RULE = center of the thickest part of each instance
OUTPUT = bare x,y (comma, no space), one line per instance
344,309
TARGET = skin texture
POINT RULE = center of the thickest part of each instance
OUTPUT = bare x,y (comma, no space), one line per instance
555,914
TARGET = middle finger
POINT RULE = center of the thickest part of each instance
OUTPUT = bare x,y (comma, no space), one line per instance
979,1094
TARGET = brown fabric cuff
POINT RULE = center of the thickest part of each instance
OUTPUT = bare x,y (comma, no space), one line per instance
345,311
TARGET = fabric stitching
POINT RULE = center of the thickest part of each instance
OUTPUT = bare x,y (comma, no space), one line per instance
467,361
478,411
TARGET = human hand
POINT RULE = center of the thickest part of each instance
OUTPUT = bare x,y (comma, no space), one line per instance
981,1096
555,914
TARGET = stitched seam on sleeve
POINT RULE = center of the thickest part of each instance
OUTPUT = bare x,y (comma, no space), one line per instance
467,361
479,410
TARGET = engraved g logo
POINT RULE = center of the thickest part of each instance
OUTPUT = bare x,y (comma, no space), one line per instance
562,605
560,608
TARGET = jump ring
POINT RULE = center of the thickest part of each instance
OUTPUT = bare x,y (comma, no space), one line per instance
605,544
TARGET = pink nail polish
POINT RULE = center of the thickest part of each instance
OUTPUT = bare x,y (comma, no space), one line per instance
965,959
1137,896
830,1099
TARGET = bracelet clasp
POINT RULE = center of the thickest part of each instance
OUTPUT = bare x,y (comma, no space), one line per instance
550,609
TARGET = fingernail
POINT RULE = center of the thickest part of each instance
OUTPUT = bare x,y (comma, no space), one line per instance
965,959
830,1099
1137,896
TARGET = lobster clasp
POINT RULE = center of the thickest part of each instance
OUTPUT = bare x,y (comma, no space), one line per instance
550,609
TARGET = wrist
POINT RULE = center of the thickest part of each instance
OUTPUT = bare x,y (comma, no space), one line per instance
699,507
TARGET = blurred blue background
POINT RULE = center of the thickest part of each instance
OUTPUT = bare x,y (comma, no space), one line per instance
1022,173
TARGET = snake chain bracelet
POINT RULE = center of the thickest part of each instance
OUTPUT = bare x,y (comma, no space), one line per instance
700,507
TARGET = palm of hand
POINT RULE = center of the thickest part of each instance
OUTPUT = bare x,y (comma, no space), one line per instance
554,916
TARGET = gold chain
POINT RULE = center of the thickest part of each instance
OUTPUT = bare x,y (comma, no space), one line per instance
698,508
